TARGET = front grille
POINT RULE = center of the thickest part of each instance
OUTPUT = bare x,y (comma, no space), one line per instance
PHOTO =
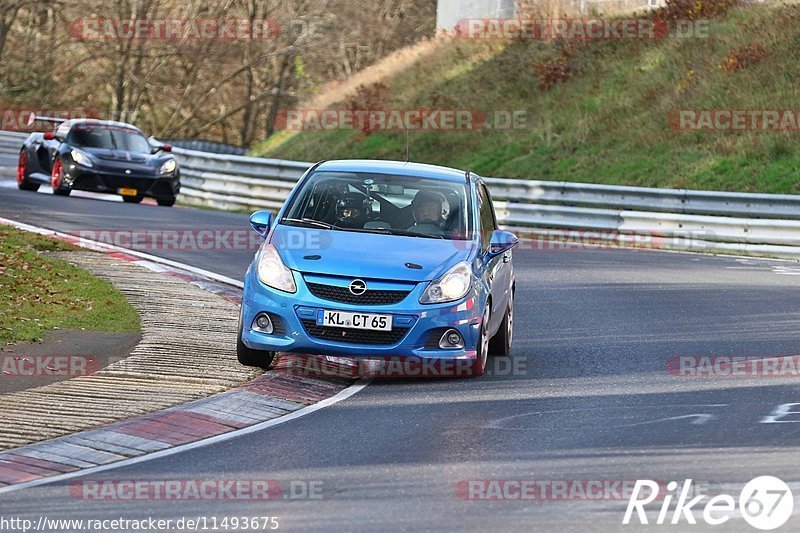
343,295
277,325
434,337
111,182
353,336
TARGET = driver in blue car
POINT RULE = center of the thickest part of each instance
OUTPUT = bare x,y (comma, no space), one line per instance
428,208
352,210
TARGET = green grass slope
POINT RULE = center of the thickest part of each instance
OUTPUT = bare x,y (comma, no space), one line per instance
608,122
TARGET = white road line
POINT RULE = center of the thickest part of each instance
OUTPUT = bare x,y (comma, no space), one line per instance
105,247
697,419
46,189
342,395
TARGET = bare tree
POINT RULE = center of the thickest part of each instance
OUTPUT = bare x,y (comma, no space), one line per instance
228,89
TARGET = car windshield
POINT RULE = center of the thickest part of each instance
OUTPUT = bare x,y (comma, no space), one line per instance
109,137
382,203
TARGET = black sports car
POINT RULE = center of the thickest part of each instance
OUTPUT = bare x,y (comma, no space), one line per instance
99,156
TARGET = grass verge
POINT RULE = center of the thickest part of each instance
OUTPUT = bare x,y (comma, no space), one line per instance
608,119
40,293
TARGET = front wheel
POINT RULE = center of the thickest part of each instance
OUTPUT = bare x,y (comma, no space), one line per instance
501,342
22,174
166,202
56,179
479,364
248,356
132,199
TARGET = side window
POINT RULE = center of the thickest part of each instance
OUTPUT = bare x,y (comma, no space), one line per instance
488,223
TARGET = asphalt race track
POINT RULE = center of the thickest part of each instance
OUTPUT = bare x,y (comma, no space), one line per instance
591,397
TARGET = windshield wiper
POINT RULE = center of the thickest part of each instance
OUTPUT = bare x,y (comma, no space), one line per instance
406,233
309,222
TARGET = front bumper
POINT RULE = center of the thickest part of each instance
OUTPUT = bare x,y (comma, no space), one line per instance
420,322
90,179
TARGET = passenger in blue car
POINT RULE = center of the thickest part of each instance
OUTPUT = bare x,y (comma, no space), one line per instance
428,210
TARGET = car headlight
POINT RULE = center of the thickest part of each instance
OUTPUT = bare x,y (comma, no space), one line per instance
168,167
81,158
272,272
453,285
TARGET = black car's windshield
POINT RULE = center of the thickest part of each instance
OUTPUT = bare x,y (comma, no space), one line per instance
110,137
382,203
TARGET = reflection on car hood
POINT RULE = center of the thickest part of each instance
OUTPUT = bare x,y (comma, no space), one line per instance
367,255
117,155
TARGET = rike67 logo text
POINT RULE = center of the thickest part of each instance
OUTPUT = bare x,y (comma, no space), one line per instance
765,503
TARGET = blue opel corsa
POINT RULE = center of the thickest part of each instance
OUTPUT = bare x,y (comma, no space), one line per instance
380,259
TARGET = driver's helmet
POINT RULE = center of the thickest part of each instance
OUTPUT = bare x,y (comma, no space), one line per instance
352,209
428,207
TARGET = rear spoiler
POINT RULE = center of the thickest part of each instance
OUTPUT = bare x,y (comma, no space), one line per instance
34,117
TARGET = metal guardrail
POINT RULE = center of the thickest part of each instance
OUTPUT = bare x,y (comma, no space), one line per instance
11,142
206,146
723,222
681,219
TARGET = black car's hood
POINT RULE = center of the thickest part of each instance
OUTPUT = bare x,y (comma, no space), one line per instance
122,161
122,156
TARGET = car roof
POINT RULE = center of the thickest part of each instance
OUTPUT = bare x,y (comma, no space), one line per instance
98,122
402,168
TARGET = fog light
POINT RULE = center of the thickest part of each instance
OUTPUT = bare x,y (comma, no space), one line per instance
451,340
263,323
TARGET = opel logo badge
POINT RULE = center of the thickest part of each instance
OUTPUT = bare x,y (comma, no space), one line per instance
358,287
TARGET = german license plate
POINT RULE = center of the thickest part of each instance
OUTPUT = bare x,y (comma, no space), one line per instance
128,192
344,319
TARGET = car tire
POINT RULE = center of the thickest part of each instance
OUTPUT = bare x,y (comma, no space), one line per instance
55,179
479,364
166,202
132,199
22,174
248,356
501,342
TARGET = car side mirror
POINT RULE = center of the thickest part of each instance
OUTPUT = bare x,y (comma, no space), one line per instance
49,136
261,222
501,242
162,148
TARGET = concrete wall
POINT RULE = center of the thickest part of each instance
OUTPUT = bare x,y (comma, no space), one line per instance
449,12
